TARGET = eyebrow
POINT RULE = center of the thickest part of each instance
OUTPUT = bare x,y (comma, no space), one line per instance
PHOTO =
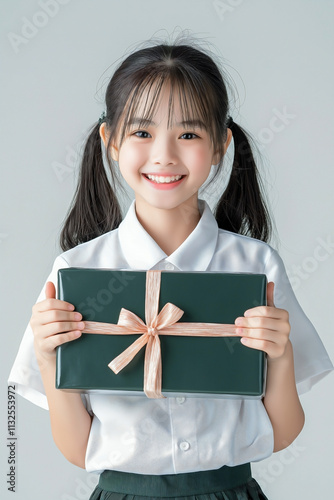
184,123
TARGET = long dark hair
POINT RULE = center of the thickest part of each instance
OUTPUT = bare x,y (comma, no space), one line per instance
195,78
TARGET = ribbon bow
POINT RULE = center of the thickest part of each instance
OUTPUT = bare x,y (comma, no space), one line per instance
156,324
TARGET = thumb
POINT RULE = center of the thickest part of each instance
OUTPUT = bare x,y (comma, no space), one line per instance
270,294
50,290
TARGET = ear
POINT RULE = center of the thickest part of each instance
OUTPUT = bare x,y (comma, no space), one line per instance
228,139
216,158
105,139
103,133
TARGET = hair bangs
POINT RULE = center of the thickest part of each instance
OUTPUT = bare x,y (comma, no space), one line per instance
195,102
142,103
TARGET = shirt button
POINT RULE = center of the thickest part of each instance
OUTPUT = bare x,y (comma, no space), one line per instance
169,266
180,401
184,446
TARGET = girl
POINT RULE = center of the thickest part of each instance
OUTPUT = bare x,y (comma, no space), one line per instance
166,126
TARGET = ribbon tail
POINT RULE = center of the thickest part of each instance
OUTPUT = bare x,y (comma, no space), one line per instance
118,363
153,369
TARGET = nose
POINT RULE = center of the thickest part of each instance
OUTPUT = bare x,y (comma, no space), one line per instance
164,151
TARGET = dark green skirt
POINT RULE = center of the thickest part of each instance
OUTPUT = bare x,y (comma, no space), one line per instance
227,483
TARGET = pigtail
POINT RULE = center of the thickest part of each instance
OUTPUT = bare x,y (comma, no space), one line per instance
241,208
95,209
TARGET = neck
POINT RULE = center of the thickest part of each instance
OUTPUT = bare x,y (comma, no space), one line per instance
169,227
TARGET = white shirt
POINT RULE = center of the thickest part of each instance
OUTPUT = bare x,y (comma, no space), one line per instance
177,435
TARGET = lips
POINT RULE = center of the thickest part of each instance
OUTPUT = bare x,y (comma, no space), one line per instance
164,182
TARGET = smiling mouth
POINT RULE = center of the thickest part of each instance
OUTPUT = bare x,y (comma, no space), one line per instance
165,179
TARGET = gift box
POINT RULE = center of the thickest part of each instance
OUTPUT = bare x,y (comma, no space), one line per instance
195,365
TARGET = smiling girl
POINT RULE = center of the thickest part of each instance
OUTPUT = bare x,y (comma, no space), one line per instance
165,128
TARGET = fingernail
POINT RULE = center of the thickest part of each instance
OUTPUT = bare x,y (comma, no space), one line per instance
238,321
246,313
77,316
81,324
70,307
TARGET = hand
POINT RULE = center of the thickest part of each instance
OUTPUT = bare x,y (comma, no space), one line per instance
50,318
266,328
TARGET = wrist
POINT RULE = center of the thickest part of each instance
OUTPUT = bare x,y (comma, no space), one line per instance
285,358
46,364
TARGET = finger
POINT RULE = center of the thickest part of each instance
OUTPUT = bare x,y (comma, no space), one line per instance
272,349
266,312
54,329
270,294
50,304
54,341
262,322
50,290
54,315
277,336
50,301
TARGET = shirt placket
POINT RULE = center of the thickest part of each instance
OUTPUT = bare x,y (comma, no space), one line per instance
184,434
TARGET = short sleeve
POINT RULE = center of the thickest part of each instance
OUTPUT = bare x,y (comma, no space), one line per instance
25,374
311,360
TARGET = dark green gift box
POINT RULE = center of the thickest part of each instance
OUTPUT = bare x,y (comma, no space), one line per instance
195,366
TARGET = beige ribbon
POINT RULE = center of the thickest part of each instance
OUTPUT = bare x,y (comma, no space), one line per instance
164,323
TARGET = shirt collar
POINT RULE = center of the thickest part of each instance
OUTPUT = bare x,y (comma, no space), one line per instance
195,254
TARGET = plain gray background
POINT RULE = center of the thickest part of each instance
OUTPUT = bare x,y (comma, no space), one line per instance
280,56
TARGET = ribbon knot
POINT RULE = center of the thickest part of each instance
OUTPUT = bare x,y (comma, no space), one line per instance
152,331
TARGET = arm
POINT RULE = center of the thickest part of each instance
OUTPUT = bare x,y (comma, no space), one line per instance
267,328
281,400
70,421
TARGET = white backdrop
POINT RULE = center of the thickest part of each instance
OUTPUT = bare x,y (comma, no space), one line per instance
56,55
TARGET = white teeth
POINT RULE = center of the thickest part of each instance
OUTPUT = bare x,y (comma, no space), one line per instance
162,179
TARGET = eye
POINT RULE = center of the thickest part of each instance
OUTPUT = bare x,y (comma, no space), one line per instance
189,135
142,134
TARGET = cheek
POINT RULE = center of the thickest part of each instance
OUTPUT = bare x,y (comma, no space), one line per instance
199,160
131,158
200,154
